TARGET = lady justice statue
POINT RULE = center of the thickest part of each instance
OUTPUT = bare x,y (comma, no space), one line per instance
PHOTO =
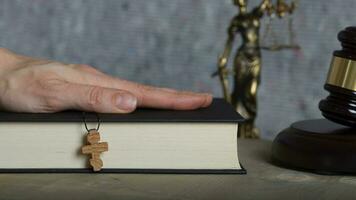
247,62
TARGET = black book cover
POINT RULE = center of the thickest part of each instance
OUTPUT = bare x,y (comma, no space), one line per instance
219,111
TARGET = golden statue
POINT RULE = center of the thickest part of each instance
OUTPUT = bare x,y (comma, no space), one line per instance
247,62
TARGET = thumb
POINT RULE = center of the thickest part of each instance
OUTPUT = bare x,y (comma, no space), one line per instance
98,99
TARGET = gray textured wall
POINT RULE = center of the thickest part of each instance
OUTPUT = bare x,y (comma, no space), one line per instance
175,43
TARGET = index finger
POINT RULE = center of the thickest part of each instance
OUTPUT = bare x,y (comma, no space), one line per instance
148,96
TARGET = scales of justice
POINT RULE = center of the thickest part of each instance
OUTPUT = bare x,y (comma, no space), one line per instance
246,69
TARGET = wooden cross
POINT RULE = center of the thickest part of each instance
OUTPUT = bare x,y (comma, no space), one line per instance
94,148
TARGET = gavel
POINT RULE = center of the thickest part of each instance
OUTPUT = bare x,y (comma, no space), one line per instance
340,105
326,146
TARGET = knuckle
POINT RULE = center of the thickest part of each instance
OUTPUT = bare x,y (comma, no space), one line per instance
51,104
81,66
86,68
50,91
48,83
144,88
95,96
142,92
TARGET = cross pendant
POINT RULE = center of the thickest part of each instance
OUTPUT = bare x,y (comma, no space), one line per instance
95,148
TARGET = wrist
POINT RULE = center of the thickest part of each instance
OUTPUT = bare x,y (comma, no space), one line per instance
8,60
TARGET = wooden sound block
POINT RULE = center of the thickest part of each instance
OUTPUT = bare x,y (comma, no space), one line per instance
320,146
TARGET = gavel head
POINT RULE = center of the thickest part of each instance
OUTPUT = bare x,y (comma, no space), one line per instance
340,105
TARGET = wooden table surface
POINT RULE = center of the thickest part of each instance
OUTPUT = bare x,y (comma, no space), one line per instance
263,181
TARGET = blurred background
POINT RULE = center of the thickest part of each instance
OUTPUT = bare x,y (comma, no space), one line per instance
176,43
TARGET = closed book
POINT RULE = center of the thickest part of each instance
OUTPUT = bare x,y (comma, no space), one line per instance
145,141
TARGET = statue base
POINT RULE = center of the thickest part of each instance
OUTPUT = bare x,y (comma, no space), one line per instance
319,146
248,130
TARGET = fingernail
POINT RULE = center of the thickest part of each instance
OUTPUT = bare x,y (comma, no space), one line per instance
126,102
208,100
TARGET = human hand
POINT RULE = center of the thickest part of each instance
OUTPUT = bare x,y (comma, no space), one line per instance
43,86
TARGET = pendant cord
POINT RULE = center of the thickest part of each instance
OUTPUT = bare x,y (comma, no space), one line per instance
85,122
